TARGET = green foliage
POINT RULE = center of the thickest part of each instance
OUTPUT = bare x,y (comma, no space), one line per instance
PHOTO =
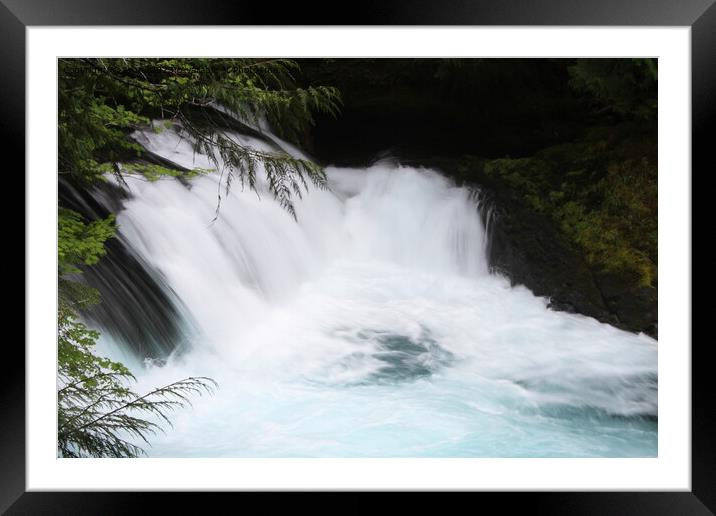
101,101
286,175
601,192
152,172
97,412
80,242
624,86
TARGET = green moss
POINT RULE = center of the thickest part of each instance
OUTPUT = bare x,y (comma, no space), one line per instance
601,192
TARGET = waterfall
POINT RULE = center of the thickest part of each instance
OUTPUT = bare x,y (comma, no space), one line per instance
369,326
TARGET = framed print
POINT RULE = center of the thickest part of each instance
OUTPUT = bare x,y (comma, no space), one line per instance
419,252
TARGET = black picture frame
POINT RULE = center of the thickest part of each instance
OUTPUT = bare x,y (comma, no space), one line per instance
16,15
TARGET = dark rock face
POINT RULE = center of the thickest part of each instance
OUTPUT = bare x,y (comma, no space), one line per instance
529,249
136,308
636,308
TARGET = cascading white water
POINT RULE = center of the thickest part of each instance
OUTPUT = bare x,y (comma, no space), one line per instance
371,327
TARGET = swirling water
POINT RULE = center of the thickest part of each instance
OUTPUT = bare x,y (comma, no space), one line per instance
371,327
